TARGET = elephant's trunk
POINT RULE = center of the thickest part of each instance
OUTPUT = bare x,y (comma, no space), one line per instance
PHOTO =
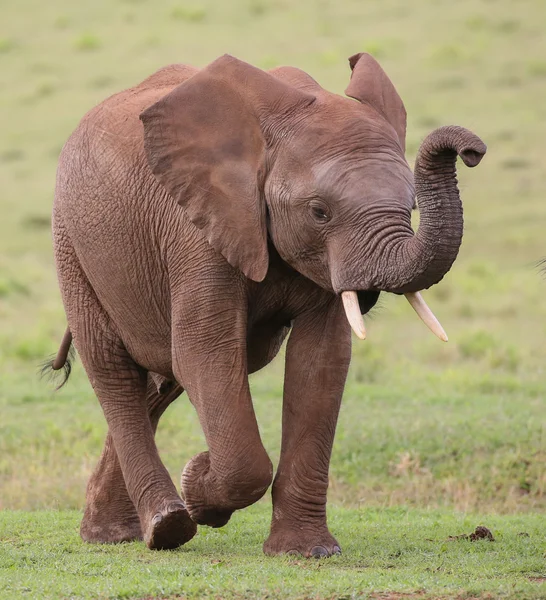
425,258
408,263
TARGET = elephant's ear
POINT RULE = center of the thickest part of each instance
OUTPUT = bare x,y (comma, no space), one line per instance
206,141
370,84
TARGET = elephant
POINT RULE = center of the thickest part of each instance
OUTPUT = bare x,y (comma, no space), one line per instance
202,217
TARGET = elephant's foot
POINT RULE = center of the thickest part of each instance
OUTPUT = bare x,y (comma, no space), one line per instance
110,524
170,528
310,543
211,502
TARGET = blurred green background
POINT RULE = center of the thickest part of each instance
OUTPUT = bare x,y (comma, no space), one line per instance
423,423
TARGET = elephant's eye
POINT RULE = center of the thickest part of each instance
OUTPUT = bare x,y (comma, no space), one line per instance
319,211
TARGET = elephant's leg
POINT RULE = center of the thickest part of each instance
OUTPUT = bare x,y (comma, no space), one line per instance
110,516
210,361
317,360
121,387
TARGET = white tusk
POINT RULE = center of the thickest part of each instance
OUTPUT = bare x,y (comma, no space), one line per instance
352,310
426,315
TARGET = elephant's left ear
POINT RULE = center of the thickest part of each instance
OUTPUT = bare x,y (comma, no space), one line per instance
370,84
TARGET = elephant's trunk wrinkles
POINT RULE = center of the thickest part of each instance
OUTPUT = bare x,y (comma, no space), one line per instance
408,264
425,258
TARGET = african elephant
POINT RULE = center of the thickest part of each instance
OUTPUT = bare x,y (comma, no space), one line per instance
200,217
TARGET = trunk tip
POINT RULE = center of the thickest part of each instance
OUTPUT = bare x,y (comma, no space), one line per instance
472,156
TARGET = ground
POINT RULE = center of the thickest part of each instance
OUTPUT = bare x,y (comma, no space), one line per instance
385,551
434,439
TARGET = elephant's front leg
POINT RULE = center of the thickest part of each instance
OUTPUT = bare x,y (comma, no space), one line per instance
317,360
210,354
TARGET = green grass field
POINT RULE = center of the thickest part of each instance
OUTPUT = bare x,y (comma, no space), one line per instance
433,438
392,550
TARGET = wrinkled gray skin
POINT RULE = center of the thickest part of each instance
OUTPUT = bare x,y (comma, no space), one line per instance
191,240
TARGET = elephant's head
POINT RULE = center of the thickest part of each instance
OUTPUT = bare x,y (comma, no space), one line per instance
249,153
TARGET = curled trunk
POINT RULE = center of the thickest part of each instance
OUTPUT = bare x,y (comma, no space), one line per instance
417,262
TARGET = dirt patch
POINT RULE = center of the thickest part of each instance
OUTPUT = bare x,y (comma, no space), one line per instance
539,579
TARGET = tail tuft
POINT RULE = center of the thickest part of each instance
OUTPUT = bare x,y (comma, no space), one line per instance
61,374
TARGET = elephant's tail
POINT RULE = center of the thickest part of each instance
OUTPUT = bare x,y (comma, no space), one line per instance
63,360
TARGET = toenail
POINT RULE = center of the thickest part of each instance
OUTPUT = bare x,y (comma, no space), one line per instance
157,519
319,552
337,550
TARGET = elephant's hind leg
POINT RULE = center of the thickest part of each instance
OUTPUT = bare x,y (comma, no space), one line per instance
110,515
121,387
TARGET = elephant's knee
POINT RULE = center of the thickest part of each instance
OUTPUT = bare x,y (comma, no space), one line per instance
251,483
212,494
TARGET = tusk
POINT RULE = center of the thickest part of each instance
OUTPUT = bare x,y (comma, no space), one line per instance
426,315
352,310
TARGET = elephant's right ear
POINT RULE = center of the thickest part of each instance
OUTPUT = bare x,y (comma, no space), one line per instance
206,141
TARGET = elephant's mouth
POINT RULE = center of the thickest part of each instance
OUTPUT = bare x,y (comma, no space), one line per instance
358,303
367,300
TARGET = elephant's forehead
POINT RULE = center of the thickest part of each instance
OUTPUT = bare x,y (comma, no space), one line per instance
332,133
381,174
336,120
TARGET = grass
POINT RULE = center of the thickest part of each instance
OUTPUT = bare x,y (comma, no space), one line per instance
397,549
455,433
